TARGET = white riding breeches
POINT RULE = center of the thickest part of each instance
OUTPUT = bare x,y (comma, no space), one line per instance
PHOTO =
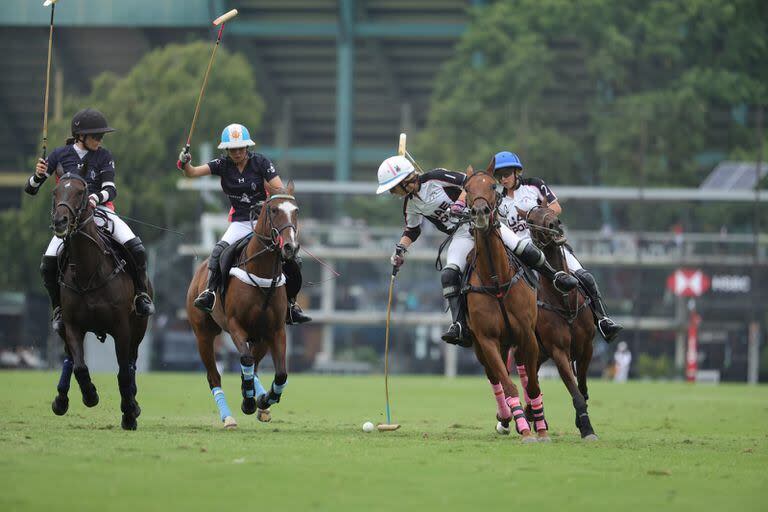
120,231
571,261
463,243
236,231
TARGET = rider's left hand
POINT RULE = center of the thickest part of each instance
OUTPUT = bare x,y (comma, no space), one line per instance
93,200
459,207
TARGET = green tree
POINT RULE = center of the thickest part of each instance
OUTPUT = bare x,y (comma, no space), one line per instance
151,107
602,91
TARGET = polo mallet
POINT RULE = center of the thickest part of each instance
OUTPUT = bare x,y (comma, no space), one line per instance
388,426
219,22
402,150
52,3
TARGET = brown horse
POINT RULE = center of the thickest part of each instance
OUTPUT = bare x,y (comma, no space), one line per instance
565,326
96,295
255,307
502,309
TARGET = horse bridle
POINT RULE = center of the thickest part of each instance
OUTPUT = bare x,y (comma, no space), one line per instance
556,236
275,240
492,221
74,225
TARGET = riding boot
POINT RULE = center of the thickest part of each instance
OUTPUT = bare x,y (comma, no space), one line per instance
293,280
456,333
49,269
142,303
207,299
534,258
607,327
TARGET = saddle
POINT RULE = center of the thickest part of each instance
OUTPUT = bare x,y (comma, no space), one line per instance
528,274
122,257
228,258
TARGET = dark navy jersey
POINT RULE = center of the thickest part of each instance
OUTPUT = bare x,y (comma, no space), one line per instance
97,167
243,189
438,190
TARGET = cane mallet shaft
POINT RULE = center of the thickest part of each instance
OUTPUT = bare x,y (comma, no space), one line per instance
52,3
402,150
220,22
388,426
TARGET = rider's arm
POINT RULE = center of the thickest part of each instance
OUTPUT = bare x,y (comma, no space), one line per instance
195,171
43,170
405,241
108,190
555,207
275,183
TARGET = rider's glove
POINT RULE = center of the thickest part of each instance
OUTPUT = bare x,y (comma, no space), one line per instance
184,158
398,257
459,207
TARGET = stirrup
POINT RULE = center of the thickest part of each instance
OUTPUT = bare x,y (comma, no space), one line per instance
202,301
569,284
296,315
57,323
450,336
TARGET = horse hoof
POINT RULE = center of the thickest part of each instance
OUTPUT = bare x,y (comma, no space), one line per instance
137,411
248,406
129,422
501,429
527,437
590,438
264,415
91,399
230,423
60,405
544,437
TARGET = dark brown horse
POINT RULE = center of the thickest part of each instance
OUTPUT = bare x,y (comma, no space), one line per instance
254,309
565,326
97,295
502,310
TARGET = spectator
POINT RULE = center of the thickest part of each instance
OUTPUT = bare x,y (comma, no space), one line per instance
622,359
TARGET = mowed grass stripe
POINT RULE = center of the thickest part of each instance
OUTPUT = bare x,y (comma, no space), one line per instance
670,446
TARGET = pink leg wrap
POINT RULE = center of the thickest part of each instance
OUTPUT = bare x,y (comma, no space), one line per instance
502,409
521,424
537,406
524,382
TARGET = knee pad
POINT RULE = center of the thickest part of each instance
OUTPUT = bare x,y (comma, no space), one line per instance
450,278
49,267
213,261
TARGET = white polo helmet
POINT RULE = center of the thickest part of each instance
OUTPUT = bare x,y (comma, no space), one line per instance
235,136
392,171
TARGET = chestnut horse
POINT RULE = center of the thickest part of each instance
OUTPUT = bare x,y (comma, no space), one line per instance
502,309
565,326
96,295
254,309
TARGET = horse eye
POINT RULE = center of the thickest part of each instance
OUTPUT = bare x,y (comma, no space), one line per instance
273,209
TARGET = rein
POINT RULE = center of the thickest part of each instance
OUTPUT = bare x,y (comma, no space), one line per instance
271,243
75,227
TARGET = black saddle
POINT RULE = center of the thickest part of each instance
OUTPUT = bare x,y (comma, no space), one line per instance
529,275
227,260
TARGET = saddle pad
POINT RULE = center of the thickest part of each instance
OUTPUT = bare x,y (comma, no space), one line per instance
250,279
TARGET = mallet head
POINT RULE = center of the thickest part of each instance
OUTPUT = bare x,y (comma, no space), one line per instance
225,17
401,145
49,2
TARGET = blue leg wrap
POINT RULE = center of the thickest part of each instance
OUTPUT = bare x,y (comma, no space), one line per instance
248,374
221,403
259,387
275,392
66,377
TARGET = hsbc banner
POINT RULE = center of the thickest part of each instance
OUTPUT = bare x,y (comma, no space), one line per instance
694,283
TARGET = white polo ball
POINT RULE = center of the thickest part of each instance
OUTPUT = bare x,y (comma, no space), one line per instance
367,427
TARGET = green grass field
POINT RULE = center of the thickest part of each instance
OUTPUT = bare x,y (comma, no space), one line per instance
666,446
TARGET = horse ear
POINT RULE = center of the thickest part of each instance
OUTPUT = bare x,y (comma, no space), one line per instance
470,171
290,186
491,166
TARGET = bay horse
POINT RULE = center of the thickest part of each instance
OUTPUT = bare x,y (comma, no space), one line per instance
97,294
565,326
501,310
254,309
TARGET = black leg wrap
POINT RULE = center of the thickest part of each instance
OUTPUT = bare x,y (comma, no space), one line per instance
49,270
90,396
139,256
293,279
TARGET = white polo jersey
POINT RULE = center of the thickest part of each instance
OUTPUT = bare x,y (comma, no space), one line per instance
438,190
512,210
